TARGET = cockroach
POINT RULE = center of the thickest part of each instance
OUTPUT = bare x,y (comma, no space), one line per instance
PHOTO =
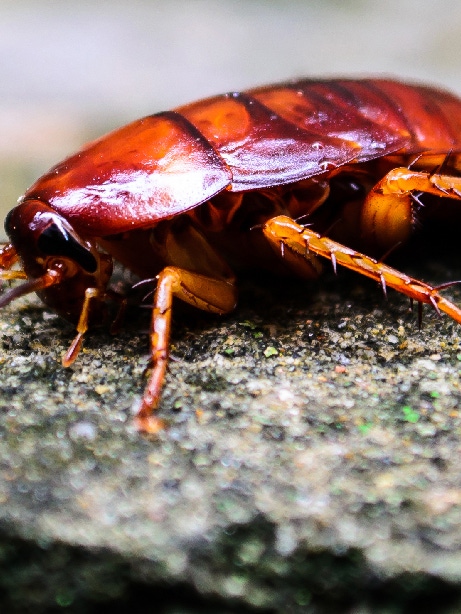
276,178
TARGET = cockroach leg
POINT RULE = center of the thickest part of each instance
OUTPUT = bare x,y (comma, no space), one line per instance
8,256
334,262
82,326
213,295
284,230
52,277
121,311
10,275
382,281
388,215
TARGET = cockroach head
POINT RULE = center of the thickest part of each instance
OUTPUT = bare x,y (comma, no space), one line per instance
39,233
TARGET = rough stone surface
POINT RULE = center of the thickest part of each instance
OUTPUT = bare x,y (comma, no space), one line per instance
311,459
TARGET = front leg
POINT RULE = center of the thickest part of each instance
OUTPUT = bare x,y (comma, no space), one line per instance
213,295
82,326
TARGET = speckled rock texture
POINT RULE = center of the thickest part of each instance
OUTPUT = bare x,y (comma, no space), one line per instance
311,462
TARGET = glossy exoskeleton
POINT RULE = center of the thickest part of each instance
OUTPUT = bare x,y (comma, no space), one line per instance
191,196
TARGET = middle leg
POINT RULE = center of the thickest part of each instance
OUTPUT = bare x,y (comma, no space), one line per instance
205,292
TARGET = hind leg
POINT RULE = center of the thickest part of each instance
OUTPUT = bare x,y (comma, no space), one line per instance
286,236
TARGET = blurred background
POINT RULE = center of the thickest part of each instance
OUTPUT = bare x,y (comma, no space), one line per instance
70,71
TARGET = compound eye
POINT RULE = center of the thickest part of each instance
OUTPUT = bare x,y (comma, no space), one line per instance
55,240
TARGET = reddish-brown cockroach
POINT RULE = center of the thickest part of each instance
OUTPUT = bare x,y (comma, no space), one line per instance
189,196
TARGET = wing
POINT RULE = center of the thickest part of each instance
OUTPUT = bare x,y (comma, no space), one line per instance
165,164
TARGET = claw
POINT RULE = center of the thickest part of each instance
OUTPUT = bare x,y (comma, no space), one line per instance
383,285
333,262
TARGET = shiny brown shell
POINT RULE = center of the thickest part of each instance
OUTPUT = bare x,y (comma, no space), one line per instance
168,163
